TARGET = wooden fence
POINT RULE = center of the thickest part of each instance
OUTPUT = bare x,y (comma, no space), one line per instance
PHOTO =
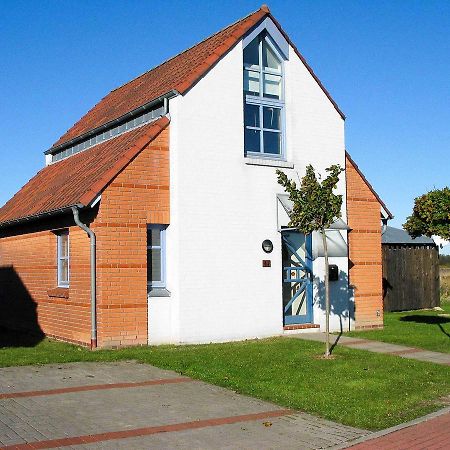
410,277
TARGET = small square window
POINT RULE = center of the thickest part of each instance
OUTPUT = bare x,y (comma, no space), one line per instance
251,82
272,86
272,142
272,118
270,60
251,53
252,116
252,140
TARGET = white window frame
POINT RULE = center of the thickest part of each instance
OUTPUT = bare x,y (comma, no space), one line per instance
60,257
261,101
162,229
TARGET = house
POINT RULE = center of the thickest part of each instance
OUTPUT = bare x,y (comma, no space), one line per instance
410,271
158,217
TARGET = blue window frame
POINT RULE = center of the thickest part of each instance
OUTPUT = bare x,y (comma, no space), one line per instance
156,256
263,99
63,259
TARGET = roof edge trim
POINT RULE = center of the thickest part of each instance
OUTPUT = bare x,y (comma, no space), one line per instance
41,215
308,67
383,205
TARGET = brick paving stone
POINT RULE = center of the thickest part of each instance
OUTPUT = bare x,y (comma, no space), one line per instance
429,434
226,419
288,433
53,376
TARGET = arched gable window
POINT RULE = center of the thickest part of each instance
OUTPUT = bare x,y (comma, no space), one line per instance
263,98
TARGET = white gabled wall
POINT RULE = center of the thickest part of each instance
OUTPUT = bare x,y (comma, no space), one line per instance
222,208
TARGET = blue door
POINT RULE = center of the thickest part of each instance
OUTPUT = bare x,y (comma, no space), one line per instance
297,278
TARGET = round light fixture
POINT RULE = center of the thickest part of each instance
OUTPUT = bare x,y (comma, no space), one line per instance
267,246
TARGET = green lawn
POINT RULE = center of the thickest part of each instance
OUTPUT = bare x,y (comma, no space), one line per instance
422,329
358,388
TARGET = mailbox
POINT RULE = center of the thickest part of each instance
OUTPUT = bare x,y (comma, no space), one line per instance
333,272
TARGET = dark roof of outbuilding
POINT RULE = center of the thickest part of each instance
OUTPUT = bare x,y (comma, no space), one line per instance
398,236
79,179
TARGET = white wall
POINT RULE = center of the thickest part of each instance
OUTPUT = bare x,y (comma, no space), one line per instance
222,208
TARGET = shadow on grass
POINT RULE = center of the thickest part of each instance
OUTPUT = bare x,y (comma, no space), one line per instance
430,320
14,338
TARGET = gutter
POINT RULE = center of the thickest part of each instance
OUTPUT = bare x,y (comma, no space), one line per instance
107,125
53,212
93,266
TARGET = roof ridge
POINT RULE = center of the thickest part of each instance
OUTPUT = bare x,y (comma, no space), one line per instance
263,8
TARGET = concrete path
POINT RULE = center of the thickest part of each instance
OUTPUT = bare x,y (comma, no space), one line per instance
378,347
127,405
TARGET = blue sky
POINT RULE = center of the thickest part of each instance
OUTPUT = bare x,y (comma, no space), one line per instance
386,63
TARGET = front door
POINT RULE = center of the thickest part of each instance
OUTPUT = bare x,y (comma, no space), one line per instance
297,278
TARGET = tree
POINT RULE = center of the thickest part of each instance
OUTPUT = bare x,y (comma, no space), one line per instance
431,215
315,208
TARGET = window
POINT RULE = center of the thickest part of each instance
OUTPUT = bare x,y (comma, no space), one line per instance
156,258
63,259
263,98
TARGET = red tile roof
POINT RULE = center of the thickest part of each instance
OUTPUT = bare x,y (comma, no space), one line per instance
79,179
179,74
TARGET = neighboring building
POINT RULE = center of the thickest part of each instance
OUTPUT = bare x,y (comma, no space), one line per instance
410,271
174,173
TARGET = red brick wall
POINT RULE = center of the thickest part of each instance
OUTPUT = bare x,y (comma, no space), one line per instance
28,275
137,196
363,209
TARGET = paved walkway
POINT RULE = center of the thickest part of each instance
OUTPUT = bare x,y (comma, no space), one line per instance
127,405
378,347
425,433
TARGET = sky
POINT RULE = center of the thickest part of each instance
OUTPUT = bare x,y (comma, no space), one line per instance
385,63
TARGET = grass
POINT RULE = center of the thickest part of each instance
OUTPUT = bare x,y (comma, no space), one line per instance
422,329
357,388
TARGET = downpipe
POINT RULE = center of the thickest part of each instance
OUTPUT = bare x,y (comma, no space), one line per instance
93,246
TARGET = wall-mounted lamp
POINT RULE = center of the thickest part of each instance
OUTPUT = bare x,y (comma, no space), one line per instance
267,246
